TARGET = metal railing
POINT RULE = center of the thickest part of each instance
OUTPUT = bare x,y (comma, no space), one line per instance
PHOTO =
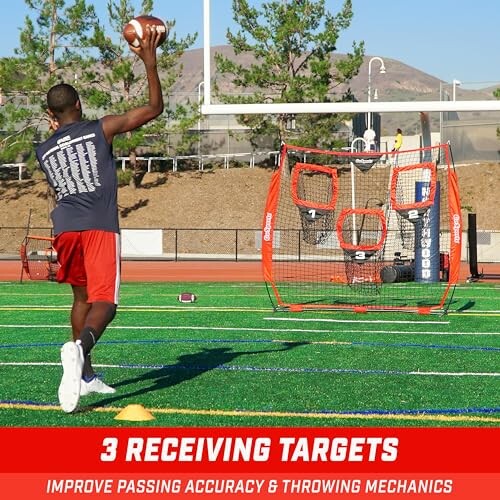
226,158
19,167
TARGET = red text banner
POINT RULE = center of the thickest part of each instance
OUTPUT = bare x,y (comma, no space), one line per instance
242,462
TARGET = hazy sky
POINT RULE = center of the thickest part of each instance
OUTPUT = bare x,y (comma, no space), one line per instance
447,39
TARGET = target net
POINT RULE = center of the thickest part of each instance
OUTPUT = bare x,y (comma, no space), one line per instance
38,258
362,230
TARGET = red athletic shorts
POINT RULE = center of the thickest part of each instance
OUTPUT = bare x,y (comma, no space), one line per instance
91,259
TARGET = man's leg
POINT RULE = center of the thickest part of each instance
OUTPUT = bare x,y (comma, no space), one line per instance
101,251
79,313
86,318
71,270
99,315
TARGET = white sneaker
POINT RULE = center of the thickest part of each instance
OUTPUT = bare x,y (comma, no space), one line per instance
69,388
95,385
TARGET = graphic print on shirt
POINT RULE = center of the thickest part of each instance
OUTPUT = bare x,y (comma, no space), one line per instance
72,165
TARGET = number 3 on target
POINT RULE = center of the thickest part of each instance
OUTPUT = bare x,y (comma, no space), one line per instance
110,444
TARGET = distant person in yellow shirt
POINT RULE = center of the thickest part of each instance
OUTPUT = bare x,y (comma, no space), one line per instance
398,142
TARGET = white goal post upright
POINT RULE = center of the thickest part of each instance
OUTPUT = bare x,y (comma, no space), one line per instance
207,71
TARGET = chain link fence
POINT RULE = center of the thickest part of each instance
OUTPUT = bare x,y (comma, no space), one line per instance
219,244
473,135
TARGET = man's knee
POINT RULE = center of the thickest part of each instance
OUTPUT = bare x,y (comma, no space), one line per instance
107,309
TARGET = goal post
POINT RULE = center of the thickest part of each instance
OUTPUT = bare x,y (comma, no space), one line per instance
210,108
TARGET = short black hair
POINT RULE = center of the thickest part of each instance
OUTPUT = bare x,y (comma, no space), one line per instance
61,97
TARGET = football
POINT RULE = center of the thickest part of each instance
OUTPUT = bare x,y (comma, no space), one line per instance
136,28
187,297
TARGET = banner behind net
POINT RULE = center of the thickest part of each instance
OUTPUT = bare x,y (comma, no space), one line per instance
363,231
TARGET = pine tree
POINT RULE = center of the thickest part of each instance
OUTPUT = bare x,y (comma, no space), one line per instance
292,43
116,83
64,42
52,43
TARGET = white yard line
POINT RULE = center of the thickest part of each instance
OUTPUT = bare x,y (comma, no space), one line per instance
354,370
371,322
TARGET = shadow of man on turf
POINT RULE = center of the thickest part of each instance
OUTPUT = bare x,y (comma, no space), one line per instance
188,366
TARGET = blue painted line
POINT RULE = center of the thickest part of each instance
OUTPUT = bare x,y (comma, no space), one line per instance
340,343
427,346
38,344
27,403
371,412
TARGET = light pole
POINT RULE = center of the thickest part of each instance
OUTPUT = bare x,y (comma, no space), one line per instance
444,95
382,72
440,113
200,85
456,83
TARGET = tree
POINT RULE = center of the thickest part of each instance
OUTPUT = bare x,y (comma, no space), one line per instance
116,83
292,45
50,46
67,43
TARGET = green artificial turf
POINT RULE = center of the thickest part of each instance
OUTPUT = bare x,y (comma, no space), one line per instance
229,360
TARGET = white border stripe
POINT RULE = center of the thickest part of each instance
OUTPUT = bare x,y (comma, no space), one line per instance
371,322
118,266
361,371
